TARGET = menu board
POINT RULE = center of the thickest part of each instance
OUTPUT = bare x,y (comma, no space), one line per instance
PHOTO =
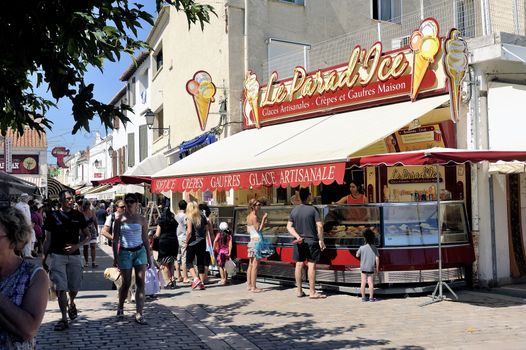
423,137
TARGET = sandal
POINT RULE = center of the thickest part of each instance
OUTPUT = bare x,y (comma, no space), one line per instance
94,265
256,290
140,319
120,314
61,325
317,296
301,295
72,312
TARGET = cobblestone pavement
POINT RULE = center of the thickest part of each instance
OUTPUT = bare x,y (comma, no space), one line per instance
229,317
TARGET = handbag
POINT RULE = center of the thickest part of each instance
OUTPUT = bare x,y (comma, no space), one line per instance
230,267
265,247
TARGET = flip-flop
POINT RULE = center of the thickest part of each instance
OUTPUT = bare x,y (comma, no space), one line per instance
72,312
317,296
256,290
140,320
301,295
61,325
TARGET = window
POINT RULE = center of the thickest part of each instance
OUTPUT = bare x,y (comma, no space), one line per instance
159,59
131,92
387,10
143,142
131,149
158,124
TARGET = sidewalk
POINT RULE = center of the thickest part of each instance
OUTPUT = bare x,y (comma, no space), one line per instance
231,318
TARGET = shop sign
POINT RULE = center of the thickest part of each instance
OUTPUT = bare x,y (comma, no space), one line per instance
202,90
22,164
60,153
8,154
369,77
409,175
292,176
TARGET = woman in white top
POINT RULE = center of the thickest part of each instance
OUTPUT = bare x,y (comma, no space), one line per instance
131,250
254,226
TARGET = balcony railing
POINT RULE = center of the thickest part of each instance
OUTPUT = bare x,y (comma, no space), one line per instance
472,17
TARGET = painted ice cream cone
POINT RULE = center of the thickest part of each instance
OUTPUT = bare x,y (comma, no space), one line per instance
420,65
203,106
455,64
203,90
425,45
252,95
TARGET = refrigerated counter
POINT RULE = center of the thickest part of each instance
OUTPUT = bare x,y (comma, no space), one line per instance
406,236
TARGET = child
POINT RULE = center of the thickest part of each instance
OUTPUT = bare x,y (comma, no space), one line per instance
223,247
369,264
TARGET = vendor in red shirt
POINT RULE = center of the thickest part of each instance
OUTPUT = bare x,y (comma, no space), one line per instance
355,197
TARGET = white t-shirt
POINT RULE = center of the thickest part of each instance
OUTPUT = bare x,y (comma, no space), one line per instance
181,227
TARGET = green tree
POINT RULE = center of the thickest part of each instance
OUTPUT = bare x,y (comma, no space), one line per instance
53,42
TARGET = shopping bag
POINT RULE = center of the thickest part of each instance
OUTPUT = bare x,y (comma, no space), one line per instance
152,284
210,250
230,267
264,246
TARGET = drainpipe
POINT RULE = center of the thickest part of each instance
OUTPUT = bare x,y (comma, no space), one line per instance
246,36
486,17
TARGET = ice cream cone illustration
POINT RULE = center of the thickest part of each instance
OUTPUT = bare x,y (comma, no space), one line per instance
203,90
455,65
251,85
425,45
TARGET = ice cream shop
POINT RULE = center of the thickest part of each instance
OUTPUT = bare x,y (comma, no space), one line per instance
323,129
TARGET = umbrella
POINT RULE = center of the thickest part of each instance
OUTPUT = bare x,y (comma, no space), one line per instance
439,156
12,185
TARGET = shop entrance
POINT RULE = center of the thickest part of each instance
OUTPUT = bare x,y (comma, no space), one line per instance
515,227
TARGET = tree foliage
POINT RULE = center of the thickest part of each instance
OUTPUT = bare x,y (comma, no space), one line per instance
53,42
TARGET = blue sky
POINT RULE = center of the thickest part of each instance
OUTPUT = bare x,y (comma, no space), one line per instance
107,84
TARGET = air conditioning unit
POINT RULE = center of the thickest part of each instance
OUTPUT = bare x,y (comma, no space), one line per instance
399,43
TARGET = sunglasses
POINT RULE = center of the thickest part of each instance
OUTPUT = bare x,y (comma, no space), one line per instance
121,206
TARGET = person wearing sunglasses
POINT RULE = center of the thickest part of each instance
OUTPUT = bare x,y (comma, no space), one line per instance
131,250
23,286
62,245
255,225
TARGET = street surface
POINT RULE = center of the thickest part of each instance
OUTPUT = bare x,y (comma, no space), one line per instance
229,317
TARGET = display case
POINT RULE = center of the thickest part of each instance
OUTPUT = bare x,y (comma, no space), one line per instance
275,230
416,224
394,224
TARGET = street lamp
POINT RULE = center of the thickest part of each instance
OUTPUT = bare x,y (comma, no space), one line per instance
149,115
110,151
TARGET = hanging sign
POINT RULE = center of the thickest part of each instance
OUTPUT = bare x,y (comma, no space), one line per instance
203,91
60,153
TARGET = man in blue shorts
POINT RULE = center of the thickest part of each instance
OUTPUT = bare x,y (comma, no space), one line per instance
306,227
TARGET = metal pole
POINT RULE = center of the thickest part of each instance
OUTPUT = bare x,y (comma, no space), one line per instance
439,222
493,238
515,14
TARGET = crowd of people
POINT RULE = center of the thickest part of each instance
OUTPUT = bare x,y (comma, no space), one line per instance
187,244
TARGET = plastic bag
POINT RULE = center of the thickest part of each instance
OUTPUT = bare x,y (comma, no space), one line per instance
264,246
230,267
152,284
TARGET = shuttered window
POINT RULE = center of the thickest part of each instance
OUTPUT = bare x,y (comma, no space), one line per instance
143,142
131,149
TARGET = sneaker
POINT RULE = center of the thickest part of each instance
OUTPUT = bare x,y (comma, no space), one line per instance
196,282
364,299
372,300
201,286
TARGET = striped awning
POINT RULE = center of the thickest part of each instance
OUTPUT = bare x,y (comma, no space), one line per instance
54,187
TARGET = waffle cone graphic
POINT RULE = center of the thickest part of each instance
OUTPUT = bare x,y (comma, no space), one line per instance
255,109
420,65
203,106
454,87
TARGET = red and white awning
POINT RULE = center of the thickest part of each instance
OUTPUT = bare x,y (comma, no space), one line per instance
304,152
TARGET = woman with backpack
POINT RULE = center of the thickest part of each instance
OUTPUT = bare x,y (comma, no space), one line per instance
168,244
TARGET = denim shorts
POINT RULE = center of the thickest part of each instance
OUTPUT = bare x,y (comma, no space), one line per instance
129,259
